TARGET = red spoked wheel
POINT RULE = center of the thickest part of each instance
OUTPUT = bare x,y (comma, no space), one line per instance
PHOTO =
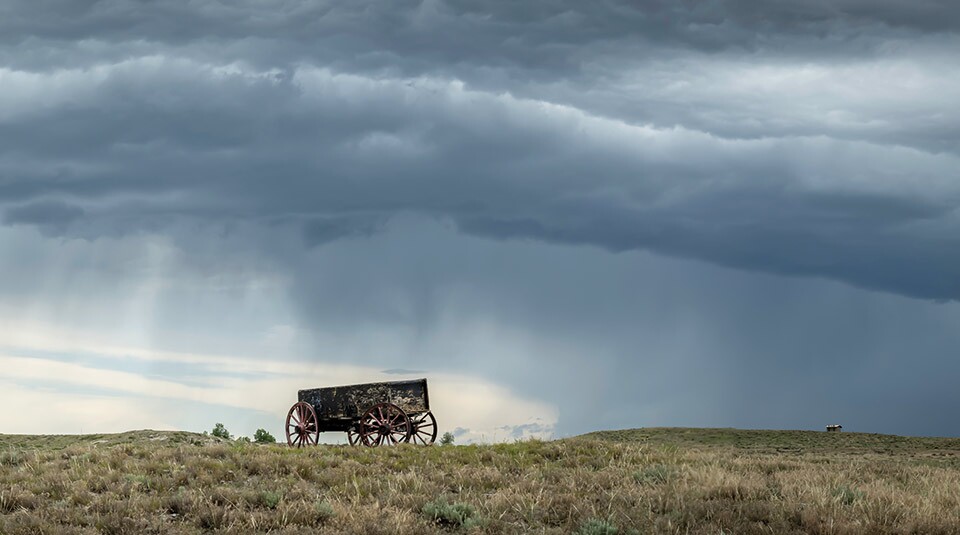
424,429
353,436
384,424
302,426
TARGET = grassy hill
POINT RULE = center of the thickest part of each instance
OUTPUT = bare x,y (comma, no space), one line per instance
707,481
146,436
775,441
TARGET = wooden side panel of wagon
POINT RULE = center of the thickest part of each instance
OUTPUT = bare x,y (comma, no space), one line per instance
350,401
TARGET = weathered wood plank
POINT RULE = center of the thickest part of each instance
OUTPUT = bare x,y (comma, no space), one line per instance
351,401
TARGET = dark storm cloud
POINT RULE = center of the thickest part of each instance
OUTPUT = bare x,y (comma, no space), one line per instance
538,35
43,213
809,139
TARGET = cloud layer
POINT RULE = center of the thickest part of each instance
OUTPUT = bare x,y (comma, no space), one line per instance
815,141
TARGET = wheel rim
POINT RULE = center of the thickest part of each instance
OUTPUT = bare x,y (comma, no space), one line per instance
424,429
302,429
353,437
384,424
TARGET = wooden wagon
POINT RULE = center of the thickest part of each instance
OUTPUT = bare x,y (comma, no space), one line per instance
371,414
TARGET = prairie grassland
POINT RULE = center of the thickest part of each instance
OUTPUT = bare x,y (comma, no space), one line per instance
639,481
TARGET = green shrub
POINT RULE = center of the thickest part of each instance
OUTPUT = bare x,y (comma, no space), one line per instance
846,494
451,514
595,526
655,474
447,439
12,458
263,437
270,500
220,431
324,510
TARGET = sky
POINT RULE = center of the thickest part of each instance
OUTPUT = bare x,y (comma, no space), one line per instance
568,216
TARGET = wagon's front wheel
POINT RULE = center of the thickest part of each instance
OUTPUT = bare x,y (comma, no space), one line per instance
302,428
424,429
384,424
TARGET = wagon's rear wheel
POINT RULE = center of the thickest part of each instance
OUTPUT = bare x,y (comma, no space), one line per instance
424,429
384,424
302,428
353,436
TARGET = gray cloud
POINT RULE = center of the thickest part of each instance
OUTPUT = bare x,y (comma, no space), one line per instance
522,430
534,36
337,155
402,371
41,213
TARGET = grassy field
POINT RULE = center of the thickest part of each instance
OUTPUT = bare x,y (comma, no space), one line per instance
708,481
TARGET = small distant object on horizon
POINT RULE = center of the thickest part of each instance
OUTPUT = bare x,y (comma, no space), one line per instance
834,428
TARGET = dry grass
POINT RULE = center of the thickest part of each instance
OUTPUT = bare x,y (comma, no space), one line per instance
643,481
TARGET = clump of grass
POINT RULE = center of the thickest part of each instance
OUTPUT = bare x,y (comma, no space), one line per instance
177,504
139,479
596,526
12,458
13,500
451,514
269,499
324,510
847,495
655,474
